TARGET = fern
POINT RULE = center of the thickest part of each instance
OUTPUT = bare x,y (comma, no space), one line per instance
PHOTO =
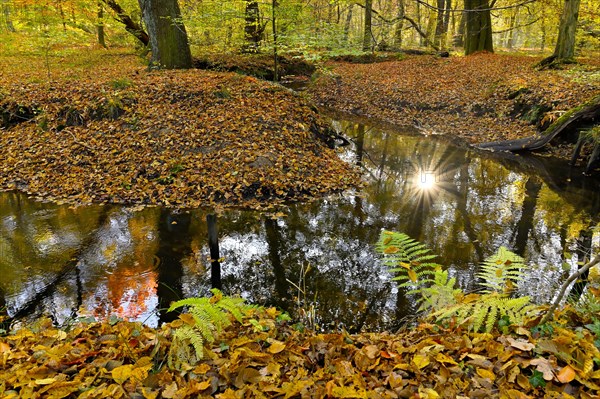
209,317
484,313
441,293
408,257
501,271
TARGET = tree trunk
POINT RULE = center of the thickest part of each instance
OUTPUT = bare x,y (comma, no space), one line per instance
62,15
418,20
399,25
130,25
100,26
525,223
543,35
510,35
175,244
213,246
6,14
439,23
430,31
446,22
252,29
347,23
367,39
168,38
275,57
565,45
459,39
479,27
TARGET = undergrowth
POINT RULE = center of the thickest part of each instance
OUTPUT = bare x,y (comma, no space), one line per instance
205,319
443,302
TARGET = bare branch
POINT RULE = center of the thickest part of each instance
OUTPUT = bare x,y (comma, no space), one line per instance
563,289
492,8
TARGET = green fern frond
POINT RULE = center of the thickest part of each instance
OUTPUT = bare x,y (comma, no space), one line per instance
492,317
407,257
479,313
210,317
440,294
184,338
501,270
484,313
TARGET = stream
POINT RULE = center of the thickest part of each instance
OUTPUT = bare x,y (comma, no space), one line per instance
315,260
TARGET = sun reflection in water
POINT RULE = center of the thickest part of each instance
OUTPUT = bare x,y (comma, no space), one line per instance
426,181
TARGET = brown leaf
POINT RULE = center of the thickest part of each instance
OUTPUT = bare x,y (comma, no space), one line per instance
543,366
520,344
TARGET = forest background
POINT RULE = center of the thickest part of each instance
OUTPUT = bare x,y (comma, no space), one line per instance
312,28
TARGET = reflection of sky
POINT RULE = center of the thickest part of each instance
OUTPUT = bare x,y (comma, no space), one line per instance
473,206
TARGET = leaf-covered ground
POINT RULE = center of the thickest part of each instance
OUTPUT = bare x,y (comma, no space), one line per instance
271,359
480,98
112,132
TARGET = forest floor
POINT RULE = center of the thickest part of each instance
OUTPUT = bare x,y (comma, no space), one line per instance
480,98
265,357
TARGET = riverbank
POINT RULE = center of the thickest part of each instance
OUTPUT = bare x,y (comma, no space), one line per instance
480,98
109,131
97,127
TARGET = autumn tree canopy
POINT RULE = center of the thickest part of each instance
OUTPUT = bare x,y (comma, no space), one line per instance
331,26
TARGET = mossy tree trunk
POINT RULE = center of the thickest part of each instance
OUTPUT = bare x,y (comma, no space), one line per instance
565,44
6,13
347,23
100,25
253,32
442,21
168,38
585,114
367,40
399,25
478,25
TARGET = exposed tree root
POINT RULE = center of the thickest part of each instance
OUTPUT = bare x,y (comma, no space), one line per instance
588,113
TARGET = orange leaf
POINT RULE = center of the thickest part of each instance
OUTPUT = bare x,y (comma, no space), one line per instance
566,374
391,250
4,347
188,319
412,275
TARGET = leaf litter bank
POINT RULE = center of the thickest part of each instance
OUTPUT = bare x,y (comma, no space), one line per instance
480,98
268,358
175,138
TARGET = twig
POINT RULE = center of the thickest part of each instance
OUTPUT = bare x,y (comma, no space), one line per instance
563,289
79,142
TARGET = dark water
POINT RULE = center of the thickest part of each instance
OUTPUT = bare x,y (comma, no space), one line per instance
102,261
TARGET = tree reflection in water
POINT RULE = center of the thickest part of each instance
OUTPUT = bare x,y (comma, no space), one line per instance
101,261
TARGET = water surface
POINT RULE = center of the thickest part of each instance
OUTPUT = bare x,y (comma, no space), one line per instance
101,261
